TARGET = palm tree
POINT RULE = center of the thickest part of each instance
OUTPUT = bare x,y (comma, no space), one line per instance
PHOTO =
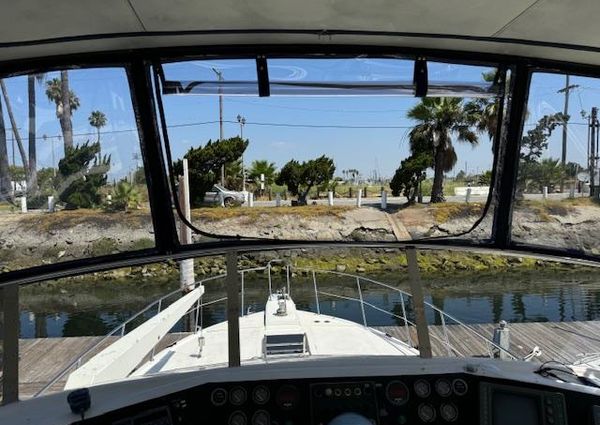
439,119
262,166
5,185
13,124
32,173
66,103
98,120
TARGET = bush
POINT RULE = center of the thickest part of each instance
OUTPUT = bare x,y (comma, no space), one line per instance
125,196
82,174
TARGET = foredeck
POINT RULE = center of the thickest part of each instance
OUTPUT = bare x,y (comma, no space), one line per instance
43,358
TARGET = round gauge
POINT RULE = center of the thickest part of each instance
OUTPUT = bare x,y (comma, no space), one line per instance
460,386
396,393
237,397
443,387
448,412
288,397
426,412
422,388
237,418
261,394
261,417
219,396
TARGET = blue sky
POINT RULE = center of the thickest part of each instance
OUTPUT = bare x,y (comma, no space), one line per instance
368,133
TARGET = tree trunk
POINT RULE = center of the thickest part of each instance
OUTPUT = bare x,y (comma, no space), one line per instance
65,118
32,174
15,129
5,185
437,190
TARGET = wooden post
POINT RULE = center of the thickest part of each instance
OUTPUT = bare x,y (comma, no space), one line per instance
383,199
186,267
233,309
418,303
50,203
358,198
9,304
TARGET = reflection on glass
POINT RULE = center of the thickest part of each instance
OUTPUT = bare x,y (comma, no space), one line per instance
332,167
72,183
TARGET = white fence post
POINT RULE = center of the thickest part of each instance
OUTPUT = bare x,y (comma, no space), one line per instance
358,197
221,199
383,199
468,195
278,199
250,199
330,198
23,204
572,191
545,192
50,203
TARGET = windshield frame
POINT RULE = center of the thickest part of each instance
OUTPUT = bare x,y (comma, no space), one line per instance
137,64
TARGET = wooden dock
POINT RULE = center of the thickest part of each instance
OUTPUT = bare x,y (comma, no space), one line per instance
42,359
561,341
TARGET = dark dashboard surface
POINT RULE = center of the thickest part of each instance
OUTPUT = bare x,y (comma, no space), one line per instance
427,399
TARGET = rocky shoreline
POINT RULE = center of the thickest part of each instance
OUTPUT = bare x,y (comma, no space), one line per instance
39,238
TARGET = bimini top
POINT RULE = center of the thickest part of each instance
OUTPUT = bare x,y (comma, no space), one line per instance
559,30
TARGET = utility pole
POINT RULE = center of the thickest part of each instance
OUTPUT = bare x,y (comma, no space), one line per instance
220,79
242,122
563,159
592,159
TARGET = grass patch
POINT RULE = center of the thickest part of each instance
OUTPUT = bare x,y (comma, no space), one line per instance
144,243
308,211
544,210
61,220
103,246
445,211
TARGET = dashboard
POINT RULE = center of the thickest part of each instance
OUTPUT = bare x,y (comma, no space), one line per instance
454,398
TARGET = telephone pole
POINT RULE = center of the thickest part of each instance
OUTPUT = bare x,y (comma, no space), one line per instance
592,150
566,90
220,79
242,122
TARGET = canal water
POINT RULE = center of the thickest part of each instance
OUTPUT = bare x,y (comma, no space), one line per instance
95,308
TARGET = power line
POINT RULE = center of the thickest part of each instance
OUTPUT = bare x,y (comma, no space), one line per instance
265,124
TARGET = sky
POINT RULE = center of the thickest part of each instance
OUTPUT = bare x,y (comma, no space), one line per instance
368,133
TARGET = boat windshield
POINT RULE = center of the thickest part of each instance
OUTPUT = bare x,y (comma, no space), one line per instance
372,201
302,305
346,136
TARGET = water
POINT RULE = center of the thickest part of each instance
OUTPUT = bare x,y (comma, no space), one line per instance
96,308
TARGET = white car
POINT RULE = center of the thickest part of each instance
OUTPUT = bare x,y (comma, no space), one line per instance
230,197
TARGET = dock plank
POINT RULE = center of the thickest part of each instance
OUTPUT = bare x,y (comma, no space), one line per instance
42,359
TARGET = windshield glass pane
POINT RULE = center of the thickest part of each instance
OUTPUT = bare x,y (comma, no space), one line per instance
556,201
332,167
323,297
72,181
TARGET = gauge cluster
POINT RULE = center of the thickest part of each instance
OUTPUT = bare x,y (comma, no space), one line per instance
402,400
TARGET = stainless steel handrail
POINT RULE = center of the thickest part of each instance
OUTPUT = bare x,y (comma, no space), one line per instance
441,312
122,327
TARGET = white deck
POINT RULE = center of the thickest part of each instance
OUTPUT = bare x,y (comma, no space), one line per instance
325,336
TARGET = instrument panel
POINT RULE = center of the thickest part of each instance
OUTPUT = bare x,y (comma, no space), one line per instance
408,400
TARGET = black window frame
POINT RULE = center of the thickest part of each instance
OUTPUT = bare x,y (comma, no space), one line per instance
138,66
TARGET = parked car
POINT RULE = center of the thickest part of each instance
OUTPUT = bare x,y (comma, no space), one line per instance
230,197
